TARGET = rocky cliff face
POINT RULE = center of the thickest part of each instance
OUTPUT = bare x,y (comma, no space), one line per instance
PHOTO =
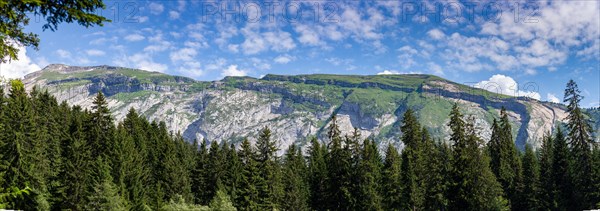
294,107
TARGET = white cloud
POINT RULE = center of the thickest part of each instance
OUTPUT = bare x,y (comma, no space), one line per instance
141,61
156,8
233,70
19,68
552,98
255,42
95,52
435,68
174,15
284,59
505,85
218,64
63,54
184,54
134,37
142,19
389,72
436,34
395,72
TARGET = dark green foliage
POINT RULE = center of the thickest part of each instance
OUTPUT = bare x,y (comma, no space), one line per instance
580,142
413,162
54,157
474,186
546,153
505,161
200,175
295,180
530,193
339,171
391,179
317,175
369,176
14,15
249,196
437,179
560,172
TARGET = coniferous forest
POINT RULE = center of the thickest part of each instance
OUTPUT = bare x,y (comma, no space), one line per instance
56,156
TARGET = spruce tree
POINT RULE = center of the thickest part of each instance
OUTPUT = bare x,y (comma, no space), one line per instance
412,163
580,142
547,188
105,193
437,180
294,179
222,202
101,128
200,175
596,175
504,156
339,176
235,169
74,174
369,174
22,151
272,190
392,185
317,178
474,186
249,195
560,171
531,177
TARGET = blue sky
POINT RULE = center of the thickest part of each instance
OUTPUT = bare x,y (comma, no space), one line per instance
515,47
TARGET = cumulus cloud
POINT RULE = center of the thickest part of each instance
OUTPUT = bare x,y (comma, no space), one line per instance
233,70
19,68
141,61
134,37
389,72
506,85
63,54
95,52
284,59
436,34
184,54
156,8
256,42
552,98
174,15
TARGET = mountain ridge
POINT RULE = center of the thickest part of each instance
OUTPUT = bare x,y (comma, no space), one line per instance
296,106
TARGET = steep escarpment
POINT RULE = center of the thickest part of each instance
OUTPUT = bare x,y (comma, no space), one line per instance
294,107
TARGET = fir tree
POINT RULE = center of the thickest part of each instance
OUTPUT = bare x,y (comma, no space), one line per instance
474,186
505,158
369,168
317,178
200,175
392,185
22,152
438,178
74,174
531,177
412,163
580,148
272,190
222,202
547,188
560,171
339,191
294,179
249,196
